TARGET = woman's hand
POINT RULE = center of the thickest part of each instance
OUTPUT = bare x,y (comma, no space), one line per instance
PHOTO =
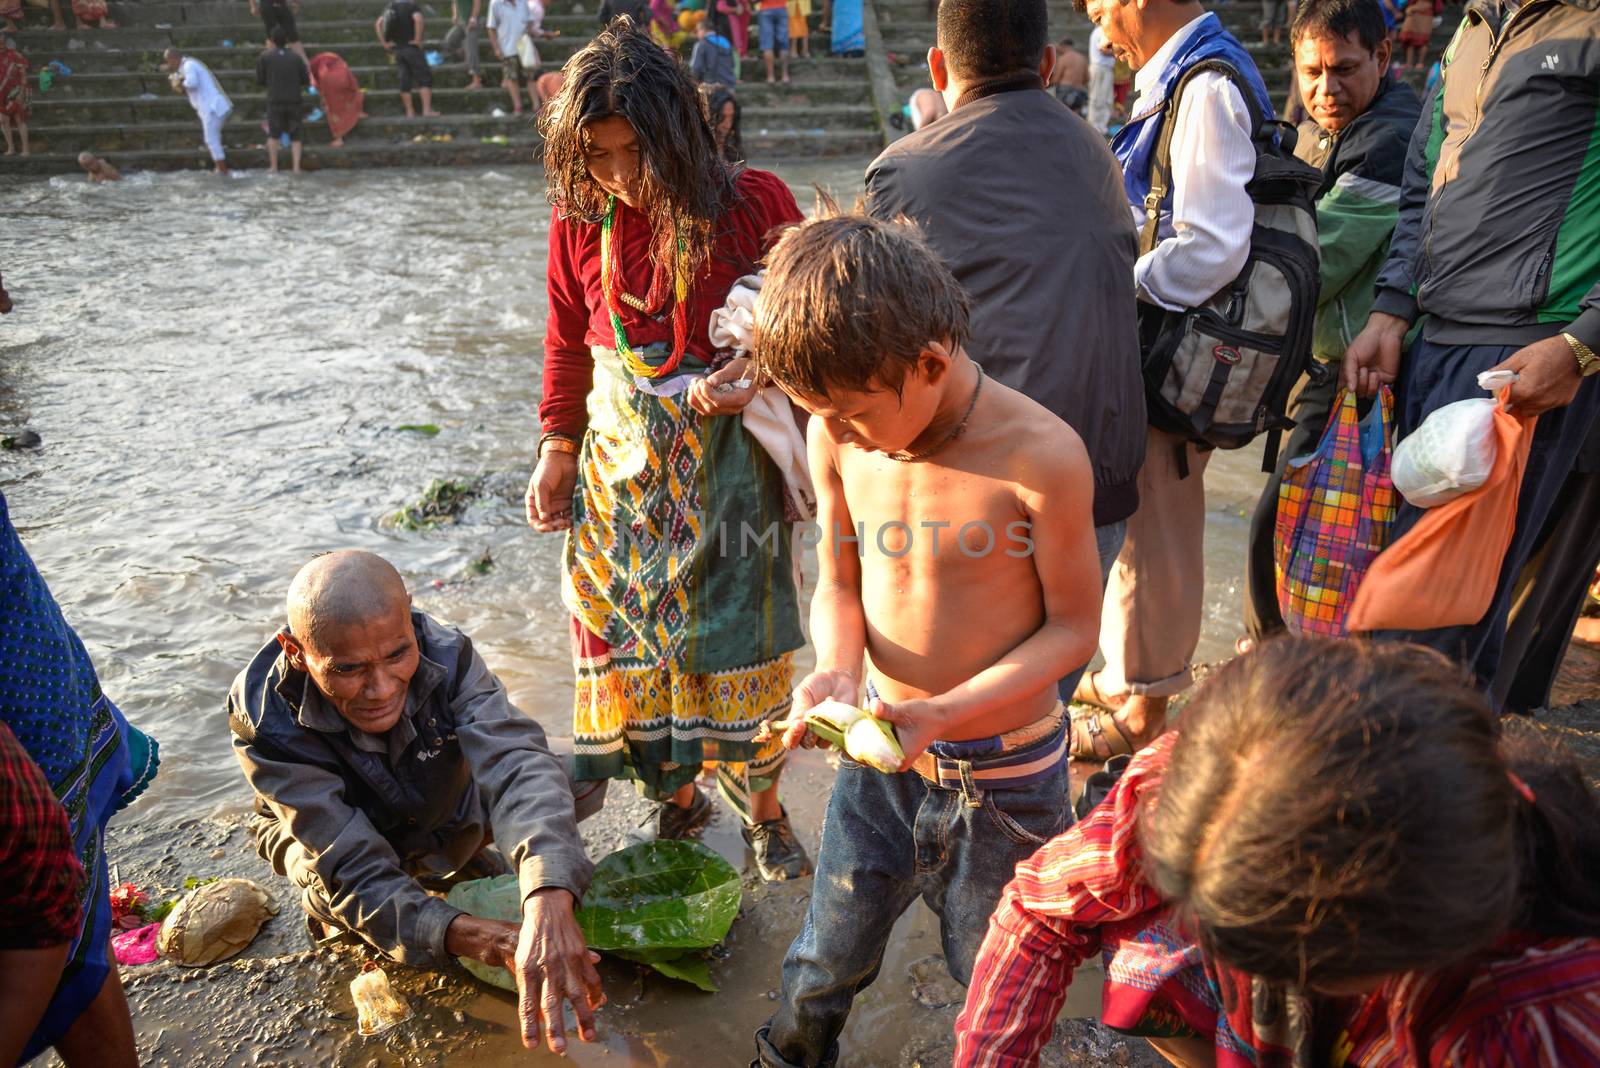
719,393
549,503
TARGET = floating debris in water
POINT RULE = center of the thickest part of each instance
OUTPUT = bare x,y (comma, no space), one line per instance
442,502
425,429
22,439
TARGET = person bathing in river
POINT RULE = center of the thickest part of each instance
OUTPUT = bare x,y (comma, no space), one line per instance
97,169
684,628
1340,857
385,759
966,576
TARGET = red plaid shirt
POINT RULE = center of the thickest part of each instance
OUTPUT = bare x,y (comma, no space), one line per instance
43,879
1527,1003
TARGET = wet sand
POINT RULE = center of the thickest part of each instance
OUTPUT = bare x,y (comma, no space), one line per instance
220,372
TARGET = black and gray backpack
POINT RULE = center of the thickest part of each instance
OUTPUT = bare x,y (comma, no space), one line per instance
1221,374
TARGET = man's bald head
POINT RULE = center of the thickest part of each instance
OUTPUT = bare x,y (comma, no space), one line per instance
344,589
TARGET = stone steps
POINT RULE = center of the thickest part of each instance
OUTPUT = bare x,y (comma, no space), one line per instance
92,119
118,100
120,86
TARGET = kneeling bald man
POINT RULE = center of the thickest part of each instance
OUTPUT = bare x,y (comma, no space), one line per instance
383,750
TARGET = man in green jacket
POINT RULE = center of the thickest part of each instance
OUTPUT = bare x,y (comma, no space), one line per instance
1498,245
1359,126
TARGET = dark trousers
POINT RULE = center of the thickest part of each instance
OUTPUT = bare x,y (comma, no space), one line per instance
1310,406
887,840
1550,592
1433,375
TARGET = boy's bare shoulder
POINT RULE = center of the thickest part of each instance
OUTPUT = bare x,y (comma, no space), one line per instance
1039,442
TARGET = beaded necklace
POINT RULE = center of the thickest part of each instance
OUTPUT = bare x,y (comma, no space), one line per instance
651,303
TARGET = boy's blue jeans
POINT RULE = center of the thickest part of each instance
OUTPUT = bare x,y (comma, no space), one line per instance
885,840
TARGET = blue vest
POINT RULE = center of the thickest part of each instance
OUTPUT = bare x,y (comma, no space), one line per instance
1135,143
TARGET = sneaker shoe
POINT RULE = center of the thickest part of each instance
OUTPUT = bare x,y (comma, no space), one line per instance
668,821
779,854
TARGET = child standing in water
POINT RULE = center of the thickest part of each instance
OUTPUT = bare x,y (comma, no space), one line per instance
957,556
1340,858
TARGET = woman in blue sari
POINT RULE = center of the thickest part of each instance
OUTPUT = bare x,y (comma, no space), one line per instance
95,763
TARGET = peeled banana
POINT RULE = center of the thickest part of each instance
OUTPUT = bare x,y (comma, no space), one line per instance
860,734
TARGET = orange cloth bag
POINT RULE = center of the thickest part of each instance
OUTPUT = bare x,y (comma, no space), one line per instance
1443,571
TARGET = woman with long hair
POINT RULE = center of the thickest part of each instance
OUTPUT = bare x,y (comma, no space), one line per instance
1342,857
678,563
725,126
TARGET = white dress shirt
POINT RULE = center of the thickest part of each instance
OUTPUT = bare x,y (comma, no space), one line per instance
200,85
1206,238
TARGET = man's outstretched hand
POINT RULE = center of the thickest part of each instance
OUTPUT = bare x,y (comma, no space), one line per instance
547,957
554,965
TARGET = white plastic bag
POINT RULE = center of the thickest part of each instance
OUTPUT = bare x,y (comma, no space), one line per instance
1452,452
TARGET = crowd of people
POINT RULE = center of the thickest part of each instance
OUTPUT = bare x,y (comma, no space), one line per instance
716,40
1348,849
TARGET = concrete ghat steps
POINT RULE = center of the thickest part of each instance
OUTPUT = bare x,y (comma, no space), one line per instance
118,100
122,86
371,153
246,129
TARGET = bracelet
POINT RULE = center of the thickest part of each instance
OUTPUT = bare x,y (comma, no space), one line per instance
558,443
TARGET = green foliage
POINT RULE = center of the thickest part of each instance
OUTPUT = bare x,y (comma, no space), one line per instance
441,502
661,903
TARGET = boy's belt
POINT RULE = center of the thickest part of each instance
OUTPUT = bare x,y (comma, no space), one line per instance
1027,754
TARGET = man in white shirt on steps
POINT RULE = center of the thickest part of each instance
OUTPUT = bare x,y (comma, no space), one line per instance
194,79
1151,621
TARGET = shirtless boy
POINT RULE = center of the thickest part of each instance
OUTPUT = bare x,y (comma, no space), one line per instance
957,556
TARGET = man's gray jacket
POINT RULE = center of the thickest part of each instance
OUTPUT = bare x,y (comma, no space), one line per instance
1024,202
370,811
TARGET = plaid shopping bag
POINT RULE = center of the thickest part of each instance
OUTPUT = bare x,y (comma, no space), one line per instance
1336,507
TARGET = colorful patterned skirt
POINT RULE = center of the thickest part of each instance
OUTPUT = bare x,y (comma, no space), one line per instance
679,577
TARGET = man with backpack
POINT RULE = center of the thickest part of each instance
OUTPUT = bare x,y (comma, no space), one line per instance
1187,151
1360,124
1498,247
400,32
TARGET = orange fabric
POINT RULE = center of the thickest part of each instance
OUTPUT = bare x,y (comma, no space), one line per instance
1443,571
342,96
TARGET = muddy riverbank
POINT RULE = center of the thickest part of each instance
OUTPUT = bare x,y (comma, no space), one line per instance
228,376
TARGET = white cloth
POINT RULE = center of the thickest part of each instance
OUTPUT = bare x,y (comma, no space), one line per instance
507,20
1099,50
1102,93
1206,239
200,85
770,416
527,51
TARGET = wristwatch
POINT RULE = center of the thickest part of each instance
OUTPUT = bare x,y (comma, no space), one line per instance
1588,362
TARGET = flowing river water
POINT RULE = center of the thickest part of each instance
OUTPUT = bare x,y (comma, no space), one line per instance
220,371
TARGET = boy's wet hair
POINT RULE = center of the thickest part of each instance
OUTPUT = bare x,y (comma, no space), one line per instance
623,72
992,38
1337,810
850,302
280,37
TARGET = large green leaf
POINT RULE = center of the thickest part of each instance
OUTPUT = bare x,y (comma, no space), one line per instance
660,895
659,904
